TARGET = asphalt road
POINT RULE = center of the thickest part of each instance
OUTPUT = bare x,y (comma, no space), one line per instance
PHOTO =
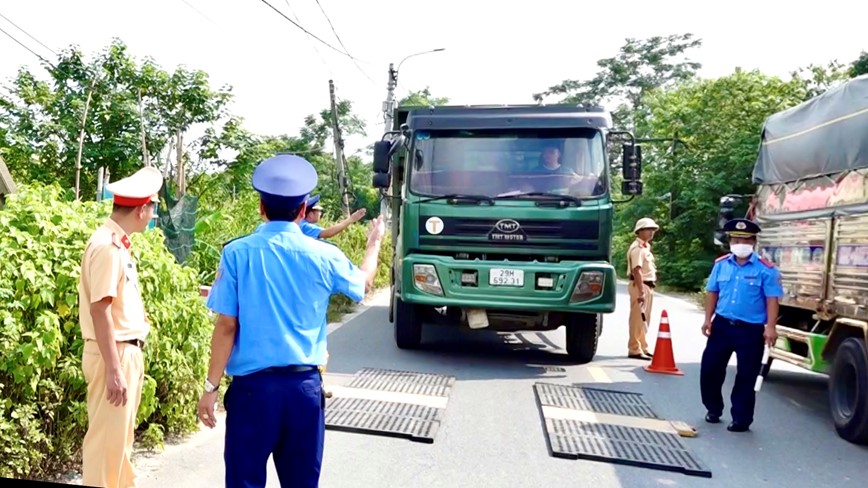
492,433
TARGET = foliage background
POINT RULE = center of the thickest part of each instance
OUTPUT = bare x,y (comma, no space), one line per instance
176,120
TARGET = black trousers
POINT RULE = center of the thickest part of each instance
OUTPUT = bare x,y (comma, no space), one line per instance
746,341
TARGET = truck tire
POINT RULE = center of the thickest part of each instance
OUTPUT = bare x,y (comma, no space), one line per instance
848,391
408,329
583,333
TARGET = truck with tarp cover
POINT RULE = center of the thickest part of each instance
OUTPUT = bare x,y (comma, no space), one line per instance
811,201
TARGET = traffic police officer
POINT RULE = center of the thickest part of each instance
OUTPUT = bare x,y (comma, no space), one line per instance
313,214
642,270
271,294
740,316
114,326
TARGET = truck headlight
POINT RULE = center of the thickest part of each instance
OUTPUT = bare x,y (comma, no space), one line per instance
425,277
589,286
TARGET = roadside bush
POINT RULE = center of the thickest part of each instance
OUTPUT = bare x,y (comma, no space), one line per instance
43,414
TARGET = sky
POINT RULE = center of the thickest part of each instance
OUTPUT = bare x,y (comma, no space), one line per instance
493,54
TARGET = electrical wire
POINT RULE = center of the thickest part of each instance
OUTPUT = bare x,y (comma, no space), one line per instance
329,20
307,31
28,34
25,47
292,11
199,12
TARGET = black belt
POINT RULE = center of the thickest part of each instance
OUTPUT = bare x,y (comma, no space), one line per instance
289,369
739,323
136,342
649,283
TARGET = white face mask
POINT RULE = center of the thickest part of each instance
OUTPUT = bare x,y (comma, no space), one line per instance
741,250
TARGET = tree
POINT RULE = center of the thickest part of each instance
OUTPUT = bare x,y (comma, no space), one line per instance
422,98
819,79
625,79
40,120
859,66
720,120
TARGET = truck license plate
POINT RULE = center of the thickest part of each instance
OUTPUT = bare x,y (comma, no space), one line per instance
506,277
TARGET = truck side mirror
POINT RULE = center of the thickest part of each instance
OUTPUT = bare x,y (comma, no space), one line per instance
382,180
631,187
724,215
631,163
382,150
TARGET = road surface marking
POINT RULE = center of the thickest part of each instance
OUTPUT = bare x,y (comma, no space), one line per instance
389,396
599,374
606,418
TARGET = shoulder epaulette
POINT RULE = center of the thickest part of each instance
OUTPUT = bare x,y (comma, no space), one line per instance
722,257
766,262
122,243
232,240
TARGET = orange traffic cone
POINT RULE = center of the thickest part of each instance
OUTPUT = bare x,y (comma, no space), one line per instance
664,360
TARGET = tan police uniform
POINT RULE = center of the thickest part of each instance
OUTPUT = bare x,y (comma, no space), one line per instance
108,270
639,255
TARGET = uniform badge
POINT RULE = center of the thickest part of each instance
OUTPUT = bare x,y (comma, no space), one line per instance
740,226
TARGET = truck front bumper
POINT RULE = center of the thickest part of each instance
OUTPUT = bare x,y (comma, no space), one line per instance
567,286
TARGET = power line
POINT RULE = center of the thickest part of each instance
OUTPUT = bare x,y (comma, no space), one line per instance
199,12
306,31
25,47
27,34
321,58
321,9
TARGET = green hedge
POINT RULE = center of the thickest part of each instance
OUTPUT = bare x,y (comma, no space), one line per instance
43,412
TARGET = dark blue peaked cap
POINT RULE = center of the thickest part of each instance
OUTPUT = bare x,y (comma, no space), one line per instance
284,181
741,228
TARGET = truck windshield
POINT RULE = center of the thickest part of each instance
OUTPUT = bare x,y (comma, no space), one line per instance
499,163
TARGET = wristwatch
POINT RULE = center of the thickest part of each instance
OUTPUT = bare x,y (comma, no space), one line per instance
210,387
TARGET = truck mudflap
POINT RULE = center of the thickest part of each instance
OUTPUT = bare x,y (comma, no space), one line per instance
568,286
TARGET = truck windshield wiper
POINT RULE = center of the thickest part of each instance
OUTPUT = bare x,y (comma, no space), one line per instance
542,195
455,198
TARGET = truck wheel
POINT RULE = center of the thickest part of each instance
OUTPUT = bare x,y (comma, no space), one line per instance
848,391
583,332
408,329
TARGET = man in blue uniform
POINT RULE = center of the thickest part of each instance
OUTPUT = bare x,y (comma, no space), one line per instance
271,293
740,316
312,215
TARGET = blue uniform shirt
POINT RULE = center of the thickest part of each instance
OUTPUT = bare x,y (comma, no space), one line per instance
311,230
277,283
744,288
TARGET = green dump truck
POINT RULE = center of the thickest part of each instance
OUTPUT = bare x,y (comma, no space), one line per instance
812,203
502,218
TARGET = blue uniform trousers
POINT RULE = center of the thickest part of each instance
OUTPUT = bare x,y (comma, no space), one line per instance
746,340
274,412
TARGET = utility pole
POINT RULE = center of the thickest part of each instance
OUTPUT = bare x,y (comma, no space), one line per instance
388,114
339,152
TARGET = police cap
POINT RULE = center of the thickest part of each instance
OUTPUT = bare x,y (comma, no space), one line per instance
741,228
313,203
284,181
138,189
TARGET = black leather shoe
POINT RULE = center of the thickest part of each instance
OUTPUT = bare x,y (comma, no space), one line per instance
649,354
737,427
639,356
712,419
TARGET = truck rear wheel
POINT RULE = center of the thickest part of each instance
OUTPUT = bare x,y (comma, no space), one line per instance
848,390
408,329
583,333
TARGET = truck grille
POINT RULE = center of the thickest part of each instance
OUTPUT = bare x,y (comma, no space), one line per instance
456,228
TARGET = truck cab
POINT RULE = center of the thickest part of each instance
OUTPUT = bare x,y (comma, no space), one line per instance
502,219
